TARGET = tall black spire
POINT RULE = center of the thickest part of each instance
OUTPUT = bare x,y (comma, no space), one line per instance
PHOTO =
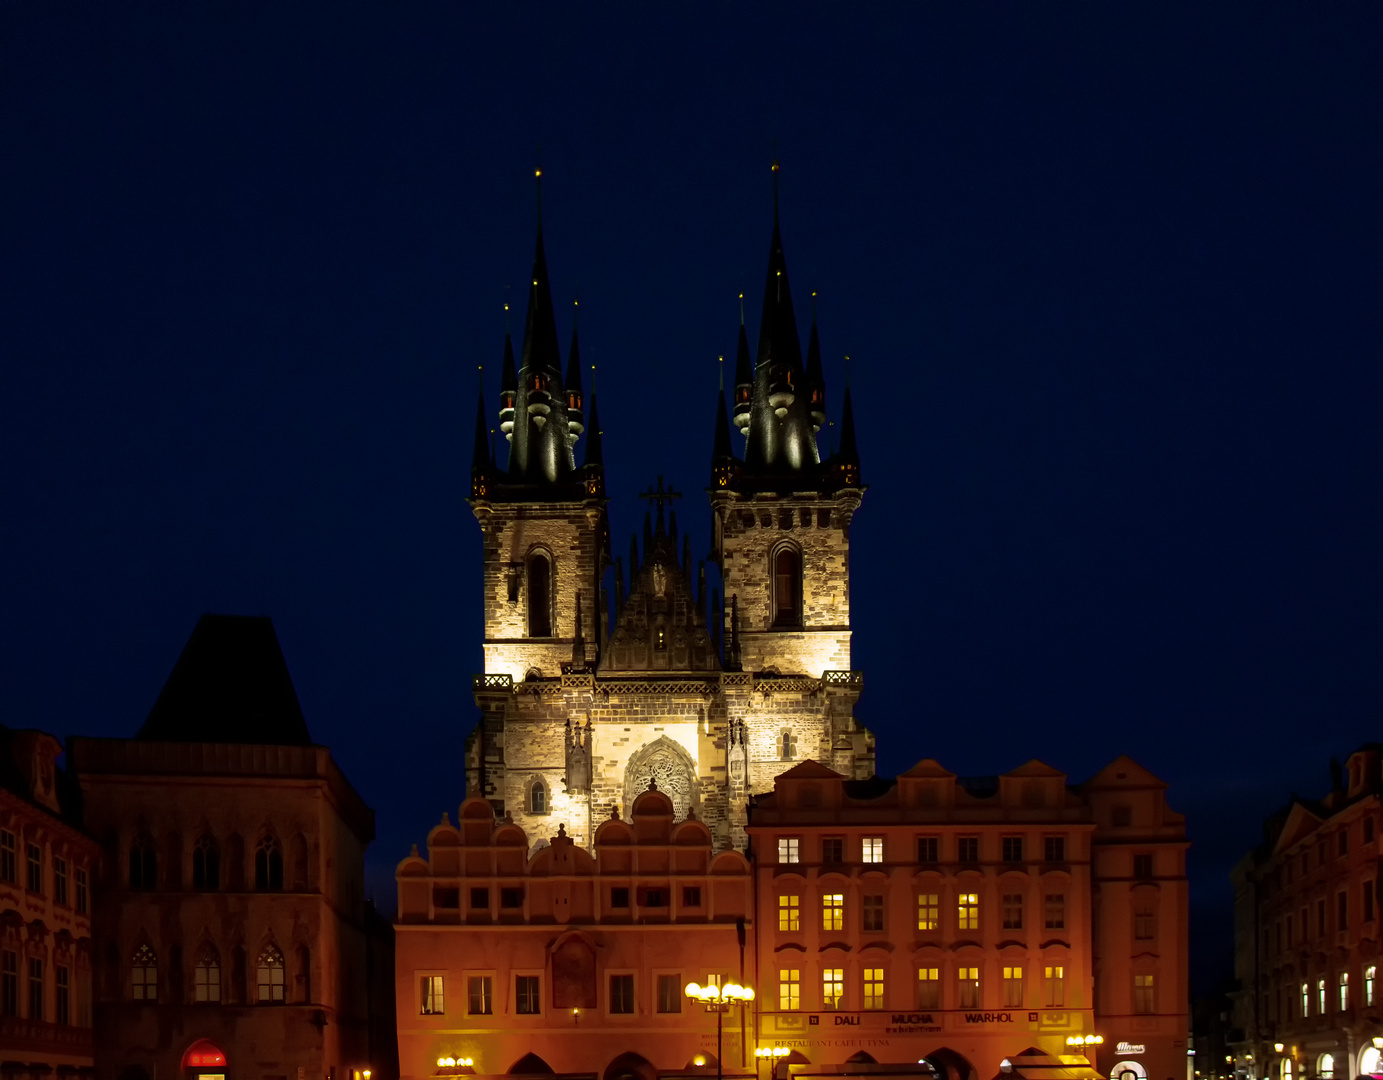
595,451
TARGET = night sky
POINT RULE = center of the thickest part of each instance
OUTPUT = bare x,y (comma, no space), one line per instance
1109,276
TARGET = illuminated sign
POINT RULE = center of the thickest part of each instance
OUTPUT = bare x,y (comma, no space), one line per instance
1126,1049
204,1054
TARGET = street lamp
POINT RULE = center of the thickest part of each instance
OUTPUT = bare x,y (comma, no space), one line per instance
772,1054
718,1000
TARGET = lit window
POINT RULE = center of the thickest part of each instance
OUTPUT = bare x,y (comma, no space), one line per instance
1344,987
206,978
832,987
269,977
833,911
968,912
431,996
873,988
789,989
480,995
1013,911
1054,986
928,988
1305,1000
144,975
1143,994
873,914
1325,1065
927,911
968,849
1320,996
788,913
873,849
1013,849
622,994
1013,987
789,850
968,981
528,998
1370,973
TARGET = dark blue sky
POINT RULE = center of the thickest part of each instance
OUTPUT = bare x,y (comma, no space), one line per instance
1109,275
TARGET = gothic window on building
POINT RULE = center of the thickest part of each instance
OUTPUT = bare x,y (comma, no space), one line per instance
873,988
144,975
431,995
60,881
968,984
269,864
968,911
872,849
269,980
833,850
789,850
539,596
787,586
968,849
622,994
206,864
1054,849
528,998
789,913
1013,987
143,862
1012,914
928,911
35,861
480,995
1342,844
1143,1002
62,997
1012,849
9,858
833,911
872,914
1054,911
1054,986
789,989
537,798
206,977
832,987
928,850
928,988
9,983
788,743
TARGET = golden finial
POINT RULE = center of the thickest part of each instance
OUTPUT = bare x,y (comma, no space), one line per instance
775,165
538,173
741,309
722,373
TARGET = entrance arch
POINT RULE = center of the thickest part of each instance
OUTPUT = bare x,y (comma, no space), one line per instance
1370,1061
1128,1069
950,1065
530,1065
630,1066
668,763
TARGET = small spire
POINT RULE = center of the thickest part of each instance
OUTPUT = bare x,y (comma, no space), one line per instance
720,372
776,168
741,309
595,449
538,179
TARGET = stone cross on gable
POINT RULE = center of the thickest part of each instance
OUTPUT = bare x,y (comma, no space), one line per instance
660,496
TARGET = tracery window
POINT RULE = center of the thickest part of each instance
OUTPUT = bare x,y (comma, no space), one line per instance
269,864
143,862
206,978
144,975
206,864
269,977
537,798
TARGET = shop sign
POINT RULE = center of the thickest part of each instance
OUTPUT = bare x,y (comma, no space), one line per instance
912,1024
1128,1049
989,1018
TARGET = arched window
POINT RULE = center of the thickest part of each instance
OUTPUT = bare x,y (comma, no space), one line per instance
143,862
787,586
789,746
537,798
1325,1067
268,864
206,864
269,979
206,979
144,975
539,596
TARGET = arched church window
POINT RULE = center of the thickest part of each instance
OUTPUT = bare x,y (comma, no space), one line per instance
143,862
539,596
537,798
144,975
269,980
269,864
787,586
206,979
206,864
789,744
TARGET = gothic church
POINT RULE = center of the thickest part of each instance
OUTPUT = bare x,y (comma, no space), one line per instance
587,700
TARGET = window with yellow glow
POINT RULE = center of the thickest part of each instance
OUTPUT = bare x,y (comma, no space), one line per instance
1013,987
788,913
968,982
928,988
1305,1000
872,849
832,987
789,989
833,911
1054,986
1143,994
927,911
789,850
873,988
1370,973
1344,991
968,911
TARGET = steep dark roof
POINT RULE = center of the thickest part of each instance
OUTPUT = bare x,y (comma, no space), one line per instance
230,685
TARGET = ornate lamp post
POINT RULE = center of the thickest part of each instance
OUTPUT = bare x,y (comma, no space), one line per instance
772,1054
718,1000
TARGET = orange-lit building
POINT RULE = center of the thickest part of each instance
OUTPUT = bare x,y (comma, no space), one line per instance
567,960
46,868
1308,947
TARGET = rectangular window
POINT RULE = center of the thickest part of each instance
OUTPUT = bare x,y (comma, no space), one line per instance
928,850
9,983
63,998
968,982
1143,866
789,850
1320,997
669,993
1013,849
1143,994
9,865
622,994
480,995
35,989
206,981
833,911
1013,911
1013,987
928,988
873,988
968,911
788,913
833,851
654,898
511,898
1305,1000
1368,901
82,891
1370,973
873,911
431,1001
480,899
789,989
35,868
1054,911
927,911
872,849
1342,909
1054,849
1143,922
60,881
528,999
832,987
1344,988
691,896
1054,987
968,849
